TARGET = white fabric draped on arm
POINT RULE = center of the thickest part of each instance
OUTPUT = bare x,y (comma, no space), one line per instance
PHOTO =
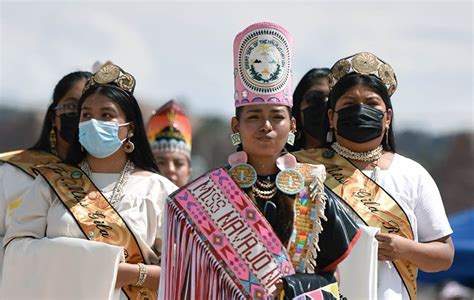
40,266
60,268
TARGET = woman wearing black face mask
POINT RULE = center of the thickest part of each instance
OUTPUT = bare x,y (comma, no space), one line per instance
60,123
309,108
382,188
16,175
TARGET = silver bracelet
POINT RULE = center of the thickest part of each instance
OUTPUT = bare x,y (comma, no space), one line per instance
142,272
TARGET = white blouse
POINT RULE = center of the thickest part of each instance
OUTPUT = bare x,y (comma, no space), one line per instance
13,184
45,226
416,192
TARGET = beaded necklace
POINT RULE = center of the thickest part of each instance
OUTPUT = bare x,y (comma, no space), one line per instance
264,189
118,188
372,155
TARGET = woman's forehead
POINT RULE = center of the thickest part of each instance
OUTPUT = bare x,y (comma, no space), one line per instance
361,88
264,108
98,101
170,155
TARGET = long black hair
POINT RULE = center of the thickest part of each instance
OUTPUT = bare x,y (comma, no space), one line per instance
142,156
372,81
61,89
308,80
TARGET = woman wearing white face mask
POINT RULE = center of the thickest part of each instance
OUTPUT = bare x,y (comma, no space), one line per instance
103,220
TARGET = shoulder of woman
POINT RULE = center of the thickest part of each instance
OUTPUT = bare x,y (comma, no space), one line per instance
141,172
40,190
158,179
407,163
6,168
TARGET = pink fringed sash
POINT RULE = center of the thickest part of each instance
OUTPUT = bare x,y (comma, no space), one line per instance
218,245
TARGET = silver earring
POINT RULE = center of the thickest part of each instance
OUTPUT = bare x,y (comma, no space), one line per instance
129,146
330,135
386,136
291,139
235,138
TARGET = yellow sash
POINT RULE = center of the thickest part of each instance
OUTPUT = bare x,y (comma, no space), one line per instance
371,203
25,160
98,220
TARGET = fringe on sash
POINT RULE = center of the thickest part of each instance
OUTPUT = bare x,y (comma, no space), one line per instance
316,190
191,271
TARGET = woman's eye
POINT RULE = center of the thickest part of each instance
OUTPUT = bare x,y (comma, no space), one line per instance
71,106
348,102
343,103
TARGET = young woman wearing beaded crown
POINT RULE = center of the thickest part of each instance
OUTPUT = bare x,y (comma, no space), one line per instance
92,232
380,187
261,227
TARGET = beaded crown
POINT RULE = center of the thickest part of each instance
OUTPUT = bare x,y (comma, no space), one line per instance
110,74
364,63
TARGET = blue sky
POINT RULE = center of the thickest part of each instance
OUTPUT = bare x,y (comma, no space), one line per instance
183,50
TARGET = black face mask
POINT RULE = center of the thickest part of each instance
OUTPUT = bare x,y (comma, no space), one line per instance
313,115
360,123
69,123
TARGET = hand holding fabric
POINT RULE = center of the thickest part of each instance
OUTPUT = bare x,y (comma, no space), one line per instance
432,256
391,246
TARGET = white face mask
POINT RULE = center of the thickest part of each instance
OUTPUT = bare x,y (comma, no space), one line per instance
100,138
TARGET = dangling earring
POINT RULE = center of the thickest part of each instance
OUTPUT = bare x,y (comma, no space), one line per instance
52,141
386,135
129,146
298,135
235,138
330,135
291,139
